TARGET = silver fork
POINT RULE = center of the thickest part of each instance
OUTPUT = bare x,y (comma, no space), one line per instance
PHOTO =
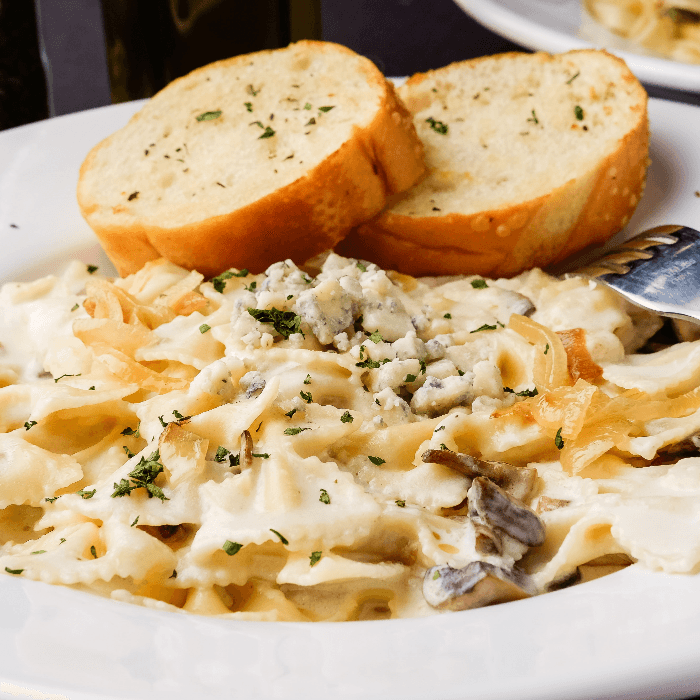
658,270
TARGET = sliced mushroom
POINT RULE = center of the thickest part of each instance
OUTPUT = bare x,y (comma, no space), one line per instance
518,482
245,454
474,586
495,508
487,541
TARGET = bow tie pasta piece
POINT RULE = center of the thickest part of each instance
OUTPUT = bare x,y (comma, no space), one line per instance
278,500
29,474
86,553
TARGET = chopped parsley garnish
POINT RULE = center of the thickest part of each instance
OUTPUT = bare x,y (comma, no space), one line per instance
346,417
400,503
251,287
436,126
92,269
128,452
162,422
263,455
361,267
438,429
436,575
289,414
219,282
324,497
533,118
307,105
448,315
143,476
308,379
63,539
39,551
29,424
285,323
578,112
410,378
179,416
326,109
251,90
221,454
86,494
306,279
558,440
92,388
573,77
131,431
368,364
311,122
51,499
306,395
444,447
460,372
290,296
208,116
66,375
269,131
204,328
283,539
529,393
174,574
75,307
376,337
135,521
479,284
485,327
93,551
13,571
315,558
248,106
377,461
231,548
422,366
295,431
546,348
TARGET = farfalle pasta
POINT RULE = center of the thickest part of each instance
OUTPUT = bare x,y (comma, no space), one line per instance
339,442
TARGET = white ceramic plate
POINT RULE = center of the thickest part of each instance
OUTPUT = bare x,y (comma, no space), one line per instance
635,634
561,25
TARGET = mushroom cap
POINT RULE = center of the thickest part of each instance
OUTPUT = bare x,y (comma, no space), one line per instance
476,585
518,482
491,505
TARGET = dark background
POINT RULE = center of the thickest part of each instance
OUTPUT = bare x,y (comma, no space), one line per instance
53,53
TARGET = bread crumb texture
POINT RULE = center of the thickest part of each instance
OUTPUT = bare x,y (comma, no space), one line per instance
252,159
530,157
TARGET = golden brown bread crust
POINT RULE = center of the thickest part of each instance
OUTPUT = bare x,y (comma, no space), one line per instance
297,221
503,242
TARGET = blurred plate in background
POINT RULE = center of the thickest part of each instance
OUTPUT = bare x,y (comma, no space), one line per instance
562,25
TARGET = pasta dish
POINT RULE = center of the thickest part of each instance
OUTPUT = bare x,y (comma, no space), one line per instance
339,443
670,28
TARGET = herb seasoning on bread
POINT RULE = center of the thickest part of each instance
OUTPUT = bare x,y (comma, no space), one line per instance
531,158
257,158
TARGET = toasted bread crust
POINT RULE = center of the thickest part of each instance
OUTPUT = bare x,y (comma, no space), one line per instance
297,220
503,241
